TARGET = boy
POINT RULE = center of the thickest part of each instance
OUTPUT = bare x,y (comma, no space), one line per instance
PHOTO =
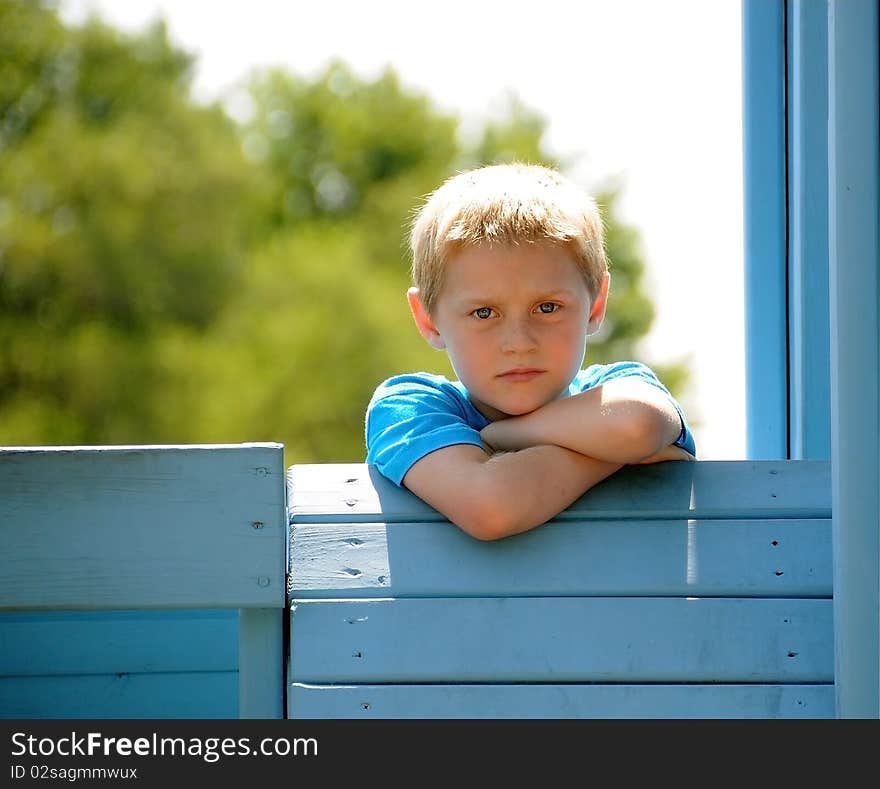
510,277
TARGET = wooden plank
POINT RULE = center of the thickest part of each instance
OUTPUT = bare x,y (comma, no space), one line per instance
764,228
807,155
118,642
143,526
370,702
261,663
854,245
356,492
157,696
771,558
571,639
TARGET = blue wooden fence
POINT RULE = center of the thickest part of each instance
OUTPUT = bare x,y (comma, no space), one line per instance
675,591
142,581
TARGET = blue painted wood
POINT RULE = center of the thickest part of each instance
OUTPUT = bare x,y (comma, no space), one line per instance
109,642
201,695
119,664
261,657
854,173
87,530
808,314
742,558
561,639
370,702
98,527
764,219
355,492
675,590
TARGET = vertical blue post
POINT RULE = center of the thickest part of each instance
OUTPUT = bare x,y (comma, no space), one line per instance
764,217
808,315
853,139
261,663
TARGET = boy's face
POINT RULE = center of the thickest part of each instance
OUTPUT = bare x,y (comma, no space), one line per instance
514,321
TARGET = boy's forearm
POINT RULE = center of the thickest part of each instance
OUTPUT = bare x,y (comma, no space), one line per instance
619,422
536,484
509,492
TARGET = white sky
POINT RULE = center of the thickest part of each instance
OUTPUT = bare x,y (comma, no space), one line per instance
643,90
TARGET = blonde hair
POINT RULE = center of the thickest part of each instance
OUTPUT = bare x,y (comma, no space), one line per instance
505,204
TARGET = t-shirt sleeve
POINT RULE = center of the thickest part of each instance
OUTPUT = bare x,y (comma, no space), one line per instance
599,374
408,420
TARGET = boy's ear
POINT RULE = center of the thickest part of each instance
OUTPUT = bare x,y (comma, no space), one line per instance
426,326
597,313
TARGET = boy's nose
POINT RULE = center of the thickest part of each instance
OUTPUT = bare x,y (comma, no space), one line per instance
518,337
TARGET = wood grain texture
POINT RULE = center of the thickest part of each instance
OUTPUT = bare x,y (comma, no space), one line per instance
561,639
356,492
744,558
626,701
669,591
142,527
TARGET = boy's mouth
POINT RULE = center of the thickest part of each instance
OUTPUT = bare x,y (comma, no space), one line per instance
520,374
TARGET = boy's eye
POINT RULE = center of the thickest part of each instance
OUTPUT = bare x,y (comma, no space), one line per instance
482,313
548,307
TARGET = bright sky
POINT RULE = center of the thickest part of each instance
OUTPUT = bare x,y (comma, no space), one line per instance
645,91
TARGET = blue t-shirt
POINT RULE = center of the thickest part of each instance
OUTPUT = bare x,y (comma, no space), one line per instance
410,416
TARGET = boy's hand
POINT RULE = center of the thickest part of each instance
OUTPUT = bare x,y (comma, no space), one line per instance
497,439
626,421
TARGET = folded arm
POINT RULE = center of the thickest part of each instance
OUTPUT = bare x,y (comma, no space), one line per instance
491,496
624,421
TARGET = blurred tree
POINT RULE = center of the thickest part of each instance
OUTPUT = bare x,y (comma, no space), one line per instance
515,133
167,275
323,319
123,219
330,142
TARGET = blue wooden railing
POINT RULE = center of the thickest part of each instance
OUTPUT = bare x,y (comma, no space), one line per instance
672,591
157,582
142,581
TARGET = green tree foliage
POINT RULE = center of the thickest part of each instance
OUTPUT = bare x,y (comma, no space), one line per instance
331,143
169,276
121,224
